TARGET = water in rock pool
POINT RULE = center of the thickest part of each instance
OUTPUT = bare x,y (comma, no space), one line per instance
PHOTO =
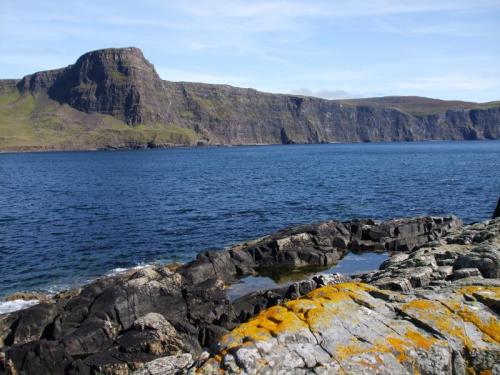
68,217
351,264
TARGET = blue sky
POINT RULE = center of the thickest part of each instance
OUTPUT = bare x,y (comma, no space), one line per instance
447,49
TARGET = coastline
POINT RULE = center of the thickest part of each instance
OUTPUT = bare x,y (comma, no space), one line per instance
180,146
160,315
13,304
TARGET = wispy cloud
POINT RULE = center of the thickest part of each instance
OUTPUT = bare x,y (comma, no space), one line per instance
328,94
454,29
471,83
331,48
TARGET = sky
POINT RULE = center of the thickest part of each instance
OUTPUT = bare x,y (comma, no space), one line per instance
448,49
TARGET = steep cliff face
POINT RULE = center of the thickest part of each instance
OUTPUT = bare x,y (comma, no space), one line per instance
234,116
118,82
119,96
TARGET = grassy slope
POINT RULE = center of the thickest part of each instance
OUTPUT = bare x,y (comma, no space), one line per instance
37,123
419,106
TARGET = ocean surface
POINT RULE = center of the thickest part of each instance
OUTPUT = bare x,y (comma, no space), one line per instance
68,217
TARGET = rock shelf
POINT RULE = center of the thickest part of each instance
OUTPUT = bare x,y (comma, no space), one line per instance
432,308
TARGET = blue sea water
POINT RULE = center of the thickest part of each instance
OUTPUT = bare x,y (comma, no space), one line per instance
67,217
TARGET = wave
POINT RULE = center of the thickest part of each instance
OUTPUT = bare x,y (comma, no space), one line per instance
17,304
119,270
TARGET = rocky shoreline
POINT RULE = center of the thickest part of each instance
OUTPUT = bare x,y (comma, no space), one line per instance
432,308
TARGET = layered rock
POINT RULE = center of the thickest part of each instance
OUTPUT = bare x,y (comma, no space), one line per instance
444,321
472,251
358,329
116,81
120,82
320,244
163,319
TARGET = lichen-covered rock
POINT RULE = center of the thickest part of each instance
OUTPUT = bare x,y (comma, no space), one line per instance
357,328
116,325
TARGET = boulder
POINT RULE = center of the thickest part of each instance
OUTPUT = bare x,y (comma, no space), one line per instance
485,257
465,273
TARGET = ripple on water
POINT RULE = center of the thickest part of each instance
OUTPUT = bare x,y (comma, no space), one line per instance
68,217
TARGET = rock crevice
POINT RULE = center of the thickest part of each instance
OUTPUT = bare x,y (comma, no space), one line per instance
432,307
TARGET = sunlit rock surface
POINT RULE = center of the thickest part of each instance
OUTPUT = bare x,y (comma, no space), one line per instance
432,308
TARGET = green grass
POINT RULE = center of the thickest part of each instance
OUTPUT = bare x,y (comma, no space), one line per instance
419,106
35,123
117,76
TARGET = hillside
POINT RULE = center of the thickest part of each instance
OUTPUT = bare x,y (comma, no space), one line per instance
113,98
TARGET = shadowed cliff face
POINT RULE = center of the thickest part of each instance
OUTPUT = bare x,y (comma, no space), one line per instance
123,84
118,82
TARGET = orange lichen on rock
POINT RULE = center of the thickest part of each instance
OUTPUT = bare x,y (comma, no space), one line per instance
492,291
489,325
309,310
267,324
419,340
402,348
439,317
349,307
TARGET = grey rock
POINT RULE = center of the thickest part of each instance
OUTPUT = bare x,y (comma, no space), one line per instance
465,272
127,320
170,365
485,257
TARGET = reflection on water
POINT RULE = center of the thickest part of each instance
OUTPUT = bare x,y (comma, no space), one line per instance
270,278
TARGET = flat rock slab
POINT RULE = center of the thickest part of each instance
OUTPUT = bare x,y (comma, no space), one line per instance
161,320
356,328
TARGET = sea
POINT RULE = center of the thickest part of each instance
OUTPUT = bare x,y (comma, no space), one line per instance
69,217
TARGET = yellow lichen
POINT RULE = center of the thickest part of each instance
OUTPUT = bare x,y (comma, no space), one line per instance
439,317
419,340
269,323
399,346
320,308
489,326
493,291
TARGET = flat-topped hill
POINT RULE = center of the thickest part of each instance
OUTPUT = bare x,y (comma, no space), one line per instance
114,98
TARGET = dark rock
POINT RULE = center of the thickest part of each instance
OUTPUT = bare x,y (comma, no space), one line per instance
485,257
496,213
120,82
464,273
117,323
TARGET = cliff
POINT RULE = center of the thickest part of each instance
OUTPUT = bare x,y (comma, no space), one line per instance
114,98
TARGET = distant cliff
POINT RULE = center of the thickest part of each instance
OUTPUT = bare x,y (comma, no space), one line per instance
113,98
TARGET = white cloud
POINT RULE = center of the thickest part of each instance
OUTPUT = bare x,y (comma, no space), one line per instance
328,94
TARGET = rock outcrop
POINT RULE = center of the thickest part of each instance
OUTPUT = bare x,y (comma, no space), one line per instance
440,315
120,82
356,328
432,311
116,81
